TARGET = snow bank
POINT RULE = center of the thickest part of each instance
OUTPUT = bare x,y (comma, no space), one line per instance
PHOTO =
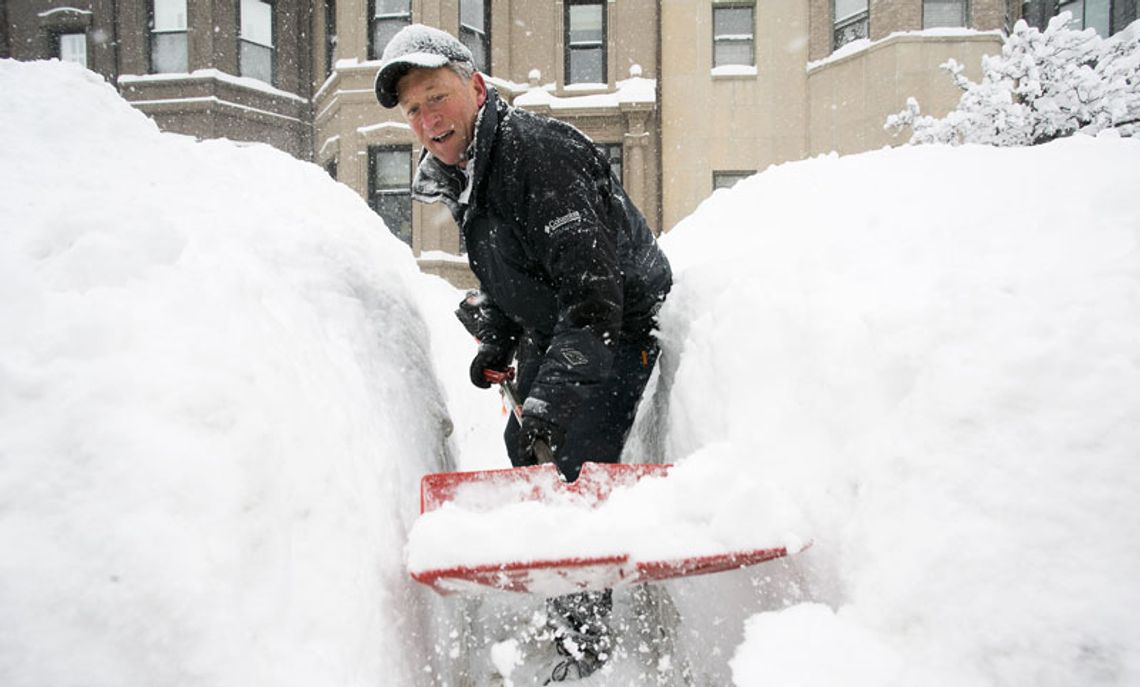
216,399
936,353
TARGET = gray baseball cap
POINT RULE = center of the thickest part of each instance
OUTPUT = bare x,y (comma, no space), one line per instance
416,46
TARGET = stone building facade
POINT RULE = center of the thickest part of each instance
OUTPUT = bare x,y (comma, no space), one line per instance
685,95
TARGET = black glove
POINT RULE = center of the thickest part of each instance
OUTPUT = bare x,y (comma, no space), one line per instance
539,439
489,358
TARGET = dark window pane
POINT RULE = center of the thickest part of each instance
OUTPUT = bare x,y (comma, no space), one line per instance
471,14
732,21
615,152
388,7
936,13
396,211
169,15
257,61
330,35
1078,11
382,31
392,169
586,66
851,30
845,9
168,53
257,22
477,44
733,52
728,179
73,48
1098,16
586,23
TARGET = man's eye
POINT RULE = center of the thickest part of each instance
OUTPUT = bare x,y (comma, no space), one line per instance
436,99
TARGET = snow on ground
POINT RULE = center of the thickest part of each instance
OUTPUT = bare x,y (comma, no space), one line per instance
936,353
218,390
216,400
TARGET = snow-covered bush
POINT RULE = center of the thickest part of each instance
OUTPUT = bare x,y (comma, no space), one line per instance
1044,85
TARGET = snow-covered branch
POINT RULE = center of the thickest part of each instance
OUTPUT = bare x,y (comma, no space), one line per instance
1044,85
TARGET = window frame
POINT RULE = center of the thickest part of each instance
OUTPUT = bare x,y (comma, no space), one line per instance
272,47
57,45
965,4
1084,23
375,192
330,36
721,41
374,51
484,37
739,175
840,27
616,151
568,48
153,32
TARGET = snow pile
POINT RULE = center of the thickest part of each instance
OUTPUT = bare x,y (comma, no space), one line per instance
216,399
935,352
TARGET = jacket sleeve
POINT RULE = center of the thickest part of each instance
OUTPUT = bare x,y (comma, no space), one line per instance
566,192
495,328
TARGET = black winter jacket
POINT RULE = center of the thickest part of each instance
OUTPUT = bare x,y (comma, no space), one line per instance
562,254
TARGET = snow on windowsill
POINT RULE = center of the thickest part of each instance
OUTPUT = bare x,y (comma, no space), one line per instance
862,44
242,81
632,91
441,256
734,71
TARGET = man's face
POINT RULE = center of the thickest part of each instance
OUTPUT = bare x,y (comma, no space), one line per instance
441,108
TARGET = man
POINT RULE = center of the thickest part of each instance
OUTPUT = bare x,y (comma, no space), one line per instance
571,274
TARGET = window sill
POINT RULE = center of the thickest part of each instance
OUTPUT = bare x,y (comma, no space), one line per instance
734,71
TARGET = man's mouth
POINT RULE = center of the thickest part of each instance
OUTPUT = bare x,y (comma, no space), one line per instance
443,137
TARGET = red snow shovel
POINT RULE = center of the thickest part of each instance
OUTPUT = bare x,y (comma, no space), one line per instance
541,483
552,577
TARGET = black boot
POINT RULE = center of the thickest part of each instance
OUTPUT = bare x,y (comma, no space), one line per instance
580,623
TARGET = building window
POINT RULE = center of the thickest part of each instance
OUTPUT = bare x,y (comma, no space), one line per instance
1105,16
330,36
1089,14
255,58
474,31
734,35
70,47
390,188
937,13
585,40
168,52
388,17
330,168
728,179
852,22
614,153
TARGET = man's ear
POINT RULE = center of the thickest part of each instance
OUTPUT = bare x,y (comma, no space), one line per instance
480,89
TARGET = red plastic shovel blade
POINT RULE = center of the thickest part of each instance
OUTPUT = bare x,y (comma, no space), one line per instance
488,489
568,575
492,488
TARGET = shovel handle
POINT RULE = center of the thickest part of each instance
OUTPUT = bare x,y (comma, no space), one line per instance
543,454
506,381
